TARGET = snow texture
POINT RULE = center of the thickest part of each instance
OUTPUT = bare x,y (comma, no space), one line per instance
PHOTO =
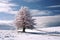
43,34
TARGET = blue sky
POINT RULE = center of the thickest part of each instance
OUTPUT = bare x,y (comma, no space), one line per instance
8,8
47,10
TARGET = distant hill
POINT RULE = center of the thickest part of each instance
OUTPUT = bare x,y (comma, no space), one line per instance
6,27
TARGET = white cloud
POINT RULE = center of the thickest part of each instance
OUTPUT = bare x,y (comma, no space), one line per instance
32,0
53,6
38,12
46,21
5,0
5,21
5,6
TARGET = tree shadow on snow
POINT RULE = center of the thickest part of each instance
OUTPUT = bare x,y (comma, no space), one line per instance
45,33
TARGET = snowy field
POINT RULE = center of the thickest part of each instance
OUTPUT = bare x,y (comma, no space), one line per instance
42,34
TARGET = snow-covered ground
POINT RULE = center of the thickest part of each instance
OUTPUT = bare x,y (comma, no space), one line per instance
42,34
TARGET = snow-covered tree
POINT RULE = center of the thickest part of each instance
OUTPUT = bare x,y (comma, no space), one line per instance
24,19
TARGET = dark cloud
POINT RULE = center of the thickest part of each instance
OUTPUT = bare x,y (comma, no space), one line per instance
32,0
53,24
48,21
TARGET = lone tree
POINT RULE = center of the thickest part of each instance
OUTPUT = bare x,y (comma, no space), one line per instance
24,19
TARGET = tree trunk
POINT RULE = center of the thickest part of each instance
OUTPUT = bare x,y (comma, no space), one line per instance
24,29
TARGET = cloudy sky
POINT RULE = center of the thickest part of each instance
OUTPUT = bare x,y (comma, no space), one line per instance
45,9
